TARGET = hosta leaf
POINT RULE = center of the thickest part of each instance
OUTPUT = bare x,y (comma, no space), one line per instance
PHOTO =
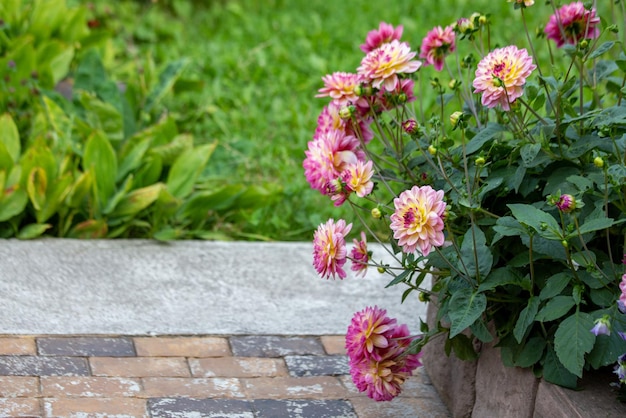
33,231
137,200
100,157
187,168
9,136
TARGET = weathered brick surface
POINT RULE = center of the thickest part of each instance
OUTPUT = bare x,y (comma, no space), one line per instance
86,346
95,407
238,367
316,387
273,346
270,408
181,407
20,407
157,387
89,387
334,344
19,386
17,346
182,346
317,365
139,366
43,366
400,407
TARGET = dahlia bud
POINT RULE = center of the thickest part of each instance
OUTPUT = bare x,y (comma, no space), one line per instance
409,126
423,297
566,203
381,270
598,162
465,25
480,161
376,213
454,84
432,150
455,118
363,90
346,112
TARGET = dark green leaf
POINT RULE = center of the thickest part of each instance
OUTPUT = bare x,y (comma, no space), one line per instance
526,318
555,308
572,340
555,372
531,353
555,285
464,309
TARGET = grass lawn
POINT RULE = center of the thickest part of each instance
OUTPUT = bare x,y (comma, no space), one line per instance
256,66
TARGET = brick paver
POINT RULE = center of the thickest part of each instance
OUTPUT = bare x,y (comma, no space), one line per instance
176,376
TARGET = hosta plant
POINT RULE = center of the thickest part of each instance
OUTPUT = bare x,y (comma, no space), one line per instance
499,171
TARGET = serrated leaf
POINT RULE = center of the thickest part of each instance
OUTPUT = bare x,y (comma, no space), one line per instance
572,340
480,331
555,308
555,372
482,137
540,221
526,318
464,309
605,47
474,249
531,353
593,225
555,285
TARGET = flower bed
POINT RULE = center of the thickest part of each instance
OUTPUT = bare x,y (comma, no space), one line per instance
515,202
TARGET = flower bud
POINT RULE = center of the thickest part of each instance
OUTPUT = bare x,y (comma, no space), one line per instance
613,28
434,83
381,270
598,162
423,297
432,150
363,90
480,161
455,118
566,203
482,19
465,25
346,112
454,84
409,126
376,213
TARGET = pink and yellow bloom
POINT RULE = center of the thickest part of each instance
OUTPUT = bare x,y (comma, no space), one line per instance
501,75
339,86
418,219
382,66
329,248
385,33
437,44
376,346
622,287
359,255
357,177
572,23
526,3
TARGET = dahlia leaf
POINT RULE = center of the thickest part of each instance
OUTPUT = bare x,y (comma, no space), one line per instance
464,309
572,340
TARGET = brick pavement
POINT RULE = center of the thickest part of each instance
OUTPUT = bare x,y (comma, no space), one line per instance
182,376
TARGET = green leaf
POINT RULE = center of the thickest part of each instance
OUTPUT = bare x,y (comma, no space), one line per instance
463,347
555,372
167,78
555,285
572,340
187,168
13,203
33,231
474,249
526,318
606,350
480,331
138,200
500,277
464,309
531,353
529,152
555,308
593,225
10,136
36,187
482,137
540,221
100,157
605,47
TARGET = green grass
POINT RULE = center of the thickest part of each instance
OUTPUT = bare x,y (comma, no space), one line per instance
256,67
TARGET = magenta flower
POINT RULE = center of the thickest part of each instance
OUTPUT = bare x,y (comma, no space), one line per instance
329,248
418,219
376,346
501,76
339,86
382,65
328,156
437,44
385,33
622,287
572,23
359,255
566,203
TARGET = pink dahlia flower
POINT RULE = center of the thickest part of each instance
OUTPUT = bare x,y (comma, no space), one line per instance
501,76
382,65
437,44
329,248
358,176
622,287
339,86
328,156
359,255
571,23
377,348
418,219
566,203
385,33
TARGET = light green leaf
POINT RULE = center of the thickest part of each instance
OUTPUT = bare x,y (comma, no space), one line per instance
99,156
138,200
187,168
13,203
464,309
572,340
167,78
10,136
33,231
